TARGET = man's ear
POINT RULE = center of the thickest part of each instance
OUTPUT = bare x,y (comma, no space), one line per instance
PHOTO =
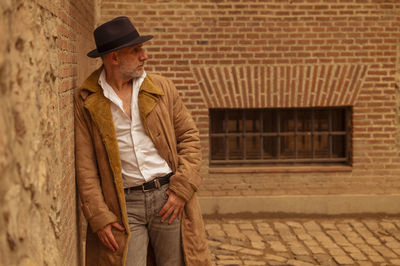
114,57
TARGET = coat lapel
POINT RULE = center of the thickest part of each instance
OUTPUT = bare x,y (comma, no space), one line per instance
100,112
148,97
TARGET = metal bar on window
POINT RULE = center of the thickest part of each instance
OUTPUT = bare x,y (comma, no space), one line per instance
261,135
278,129
226,117
347,138
321,133
312,133
295,133
330,137
243,138
316,160
210,132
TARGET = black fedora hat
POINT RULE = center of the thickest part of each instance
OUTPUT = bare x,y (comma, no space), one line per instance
116,34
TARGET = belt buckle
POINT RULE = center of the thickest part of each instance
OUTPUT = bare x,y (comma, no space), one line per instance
156,184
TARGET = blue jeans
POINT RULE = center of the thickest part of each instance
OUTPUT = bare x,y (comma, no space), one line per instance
146,225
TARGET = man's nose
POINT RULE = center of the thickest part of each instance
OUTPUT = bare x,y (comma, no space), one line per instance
143,56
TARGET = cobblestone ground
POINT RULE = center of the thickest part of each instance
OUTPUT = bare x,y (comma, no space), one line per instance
303,241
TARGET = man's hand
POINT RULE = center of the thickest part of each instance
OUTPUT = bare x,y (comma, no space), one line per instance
107,237
172,208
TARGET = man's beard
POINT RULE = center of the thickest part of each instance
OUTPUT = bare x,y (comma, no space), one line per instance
131,73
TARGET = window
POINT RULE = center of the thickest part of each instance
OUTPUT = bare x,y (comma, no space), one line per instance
276,136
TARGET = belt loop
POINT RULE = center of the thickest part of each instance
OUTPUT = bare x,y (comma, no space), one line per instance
157,183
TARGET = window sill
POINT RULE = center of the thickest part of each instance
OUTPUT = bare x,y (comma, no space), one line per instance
280,169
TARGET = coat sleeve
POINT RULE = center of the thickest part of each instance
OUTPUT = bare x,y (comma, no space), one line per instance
186,179
94,207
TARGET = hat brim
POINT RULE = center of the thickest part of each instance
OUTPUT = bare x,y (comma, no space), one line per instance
141,39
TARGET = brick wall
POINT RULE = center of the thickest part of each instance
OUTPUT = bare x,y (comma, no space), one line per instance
75,37
275,53
42,59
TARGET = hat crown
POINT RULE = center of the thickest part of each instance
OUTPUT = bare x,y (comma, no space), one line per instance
116,34
113,31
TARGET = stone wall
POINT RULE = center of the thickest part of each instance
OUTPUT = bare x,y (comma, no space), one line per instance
42,59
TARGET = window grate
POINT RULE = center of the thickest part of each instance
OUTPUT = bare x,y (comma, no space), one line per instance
287,135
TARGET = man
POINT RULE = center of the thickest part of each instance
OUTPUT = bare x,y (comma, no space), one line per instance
137,159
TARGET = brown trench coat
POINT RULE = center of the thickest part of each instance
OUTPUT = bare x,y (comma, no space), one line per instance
98,166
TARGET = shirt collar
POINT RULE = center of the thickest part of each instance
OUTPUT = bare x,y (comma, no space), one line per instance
109,92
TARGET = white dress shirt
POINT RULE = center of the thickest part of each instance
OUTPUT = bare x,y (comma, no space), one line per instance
139,158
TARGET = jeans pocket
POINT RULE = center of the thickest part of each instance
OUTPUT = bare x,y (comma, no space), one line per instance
164,192
161,198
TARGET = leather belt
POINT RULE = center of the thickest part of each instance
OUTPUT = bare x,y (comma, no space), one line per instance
155,183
